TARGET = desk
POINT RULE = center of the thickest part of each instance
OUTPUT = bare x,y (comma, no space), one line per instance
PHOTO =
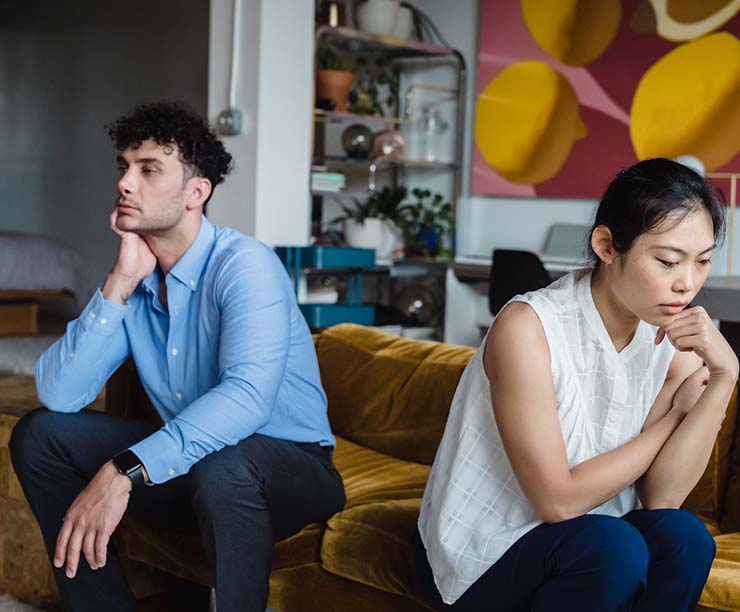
720,295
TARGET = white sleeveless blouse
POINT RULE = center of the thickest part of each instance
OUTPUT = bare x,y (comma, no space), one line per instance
473,509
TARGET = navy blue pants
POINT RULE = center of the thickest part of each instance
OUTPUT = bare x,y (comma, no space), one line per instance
646,561
240,500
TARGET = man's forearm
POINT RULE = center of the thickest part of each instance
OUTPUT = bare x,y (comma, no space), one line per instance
681,462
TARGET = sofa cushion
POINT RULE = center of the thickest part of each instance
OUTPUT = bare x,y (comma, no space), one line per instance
722,590
184,555
387,393
730,515
370,476
371,544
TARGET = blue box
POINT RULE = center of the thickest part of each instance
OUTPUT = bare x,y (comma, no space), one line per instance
326,315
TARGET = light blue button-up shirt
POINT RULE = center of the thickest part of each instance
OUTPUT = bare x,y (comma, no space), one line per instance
231,356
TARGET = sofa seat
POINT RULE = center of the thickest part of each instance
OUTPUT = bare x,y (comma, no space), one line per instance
369,477
722,590
382,532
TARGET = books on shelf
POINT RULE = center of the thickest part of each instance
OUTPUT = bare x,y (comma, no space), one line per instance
322,180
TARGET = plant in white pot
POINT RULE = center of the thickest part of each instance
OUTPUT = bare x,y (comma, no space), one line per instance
372,224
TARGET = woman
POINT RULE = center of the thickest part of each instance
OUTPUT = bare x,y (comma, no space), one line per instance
606,390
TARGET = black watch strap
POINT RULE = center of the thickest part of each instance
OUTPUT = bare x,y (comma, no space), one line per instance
128,464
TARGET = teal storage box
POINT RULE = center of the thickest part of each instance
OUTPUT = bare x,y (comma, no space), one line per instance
326,257
326,315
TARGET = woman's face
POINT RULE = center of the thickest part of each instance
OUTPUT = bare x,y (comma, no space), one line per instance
665,268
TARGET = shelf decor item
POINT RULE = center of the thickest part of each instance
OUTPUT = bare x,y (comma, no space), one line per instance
373,79
378,16
426,224
333,83
373,223
389,145
356,141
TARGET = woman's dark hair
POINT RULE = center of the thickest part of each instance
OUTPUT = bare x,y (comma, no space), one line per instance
173,122
651,191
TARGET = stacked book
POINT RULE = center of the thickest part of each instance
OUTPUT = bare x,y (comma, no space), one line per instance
323,180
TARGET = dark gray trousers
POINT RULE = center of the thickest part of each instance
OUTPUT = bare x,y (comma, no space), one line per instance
241,499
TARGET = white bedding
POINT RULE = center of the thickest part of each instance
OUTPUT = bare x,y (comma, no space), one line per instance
37,263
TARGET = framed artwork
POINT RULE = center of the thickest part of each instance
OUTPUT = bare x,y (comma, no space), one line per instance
569,92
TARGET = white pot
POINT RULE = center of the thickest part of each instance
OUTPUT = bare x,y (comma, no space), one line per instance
373,234
404,23
378,16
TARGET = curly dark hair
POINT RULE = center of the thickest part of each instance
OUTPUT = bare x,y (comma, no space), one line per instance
174,122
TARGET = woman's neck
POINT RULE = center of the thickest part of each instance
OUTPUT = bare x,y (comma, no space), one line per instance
619,322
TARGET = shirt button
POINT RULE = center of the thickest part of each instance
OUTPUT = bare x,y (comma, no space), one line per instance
103,321
171,471
92,315
192,283
72,354
173,352
178,395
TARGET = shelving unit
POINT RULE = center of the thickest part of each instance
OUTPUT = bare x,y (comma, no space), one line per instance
365,175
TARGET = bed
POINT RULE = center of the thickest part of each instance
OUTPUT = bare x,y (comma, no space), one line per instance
32,269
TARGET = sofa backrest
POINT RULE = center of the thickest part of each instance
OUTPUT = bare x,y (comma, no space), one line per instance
712,494
387,393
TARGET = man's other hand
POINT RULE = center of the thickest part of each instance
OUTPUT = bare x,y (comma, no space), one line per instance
91,520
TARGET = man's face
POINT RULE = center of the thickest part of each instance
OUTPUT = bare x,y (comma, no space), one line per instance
151,188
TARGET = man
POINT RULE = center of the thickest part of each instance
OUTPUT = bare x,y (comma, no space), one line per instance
210,319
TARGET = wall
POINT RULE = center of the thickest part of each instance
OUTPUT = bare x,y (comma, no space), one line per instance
267,196
67,68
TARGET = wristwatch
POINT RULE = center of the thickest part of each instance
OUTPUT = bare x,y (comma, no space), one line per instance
128,464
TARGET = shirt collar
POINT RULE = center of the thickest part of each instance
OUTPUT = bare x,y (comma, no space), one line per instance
190,266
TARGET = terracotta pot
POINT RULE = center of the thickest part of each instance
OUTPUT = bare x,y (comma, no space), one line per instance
334,85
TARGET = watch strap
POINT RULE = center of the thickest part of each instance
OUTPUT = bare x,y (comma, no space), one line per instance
128,464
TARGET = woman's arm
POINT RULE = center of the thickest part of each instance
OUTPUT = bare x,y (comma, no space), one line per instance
517,361
681,462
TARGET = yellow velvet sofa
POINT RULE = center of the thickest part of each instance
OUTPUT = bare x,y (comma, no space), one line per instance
388,403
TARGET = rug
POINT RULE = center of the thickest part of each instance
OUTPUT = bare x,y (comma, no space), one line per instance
10,604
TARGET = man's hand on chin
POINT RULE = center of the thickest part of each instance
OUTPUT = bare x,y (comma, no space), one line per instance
91,520
135,262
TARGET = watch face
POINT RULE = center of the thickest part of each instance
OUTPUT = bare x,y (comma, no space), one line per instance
126,462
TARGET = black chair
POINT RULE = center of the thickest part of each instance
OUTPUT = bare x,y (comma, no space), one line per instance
512,273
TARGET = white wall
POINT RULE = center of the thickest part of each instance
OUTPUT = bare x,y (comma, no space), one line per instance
267,194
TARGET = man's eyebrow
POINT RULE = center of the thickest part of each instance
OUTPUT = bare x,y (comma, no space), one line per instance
143,160
681,251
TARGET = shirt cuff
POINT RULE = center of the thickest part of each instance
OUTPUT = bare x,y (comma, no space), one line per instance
161,457
101,316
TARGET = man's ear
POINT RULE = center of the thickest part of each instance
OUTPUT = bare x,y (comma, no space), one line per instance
198,189
602,243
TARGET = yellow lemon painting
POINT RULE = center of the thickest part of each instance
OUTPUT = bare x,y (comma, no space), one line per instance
688,102
570,91
527,120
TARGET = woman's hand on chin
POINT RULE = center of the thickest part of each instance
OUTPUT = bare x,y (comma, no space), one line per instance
693,330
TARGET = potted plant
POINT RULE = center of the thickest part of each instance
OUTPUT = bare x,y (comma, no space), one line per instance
372,224
425,224
365,97
332,81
